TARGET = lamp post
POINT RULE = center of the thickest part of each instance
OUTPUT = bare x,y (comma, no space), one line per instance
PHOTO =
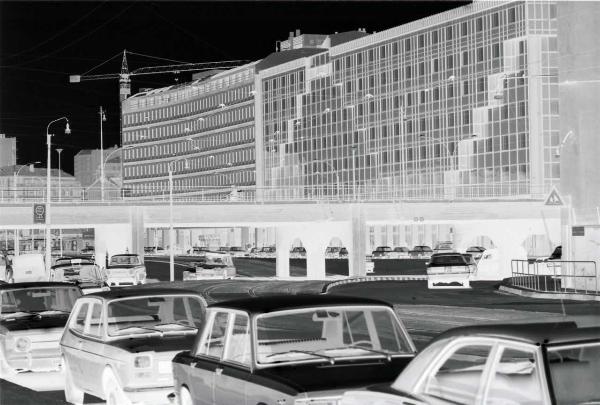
48,197
59,151
15,174
102,119
171,231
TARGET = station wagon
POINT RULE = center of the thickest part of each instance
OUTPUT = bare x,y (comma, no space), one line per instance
118,345
126,269
32,319
286,349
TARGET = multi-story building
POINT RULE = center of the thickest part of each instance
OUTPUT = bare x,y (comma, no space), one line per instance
29,183
87,166
202,131
462,104
8,151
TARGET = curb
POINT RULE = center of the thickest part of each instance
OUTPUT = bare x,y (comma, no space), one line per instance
373,278
549,296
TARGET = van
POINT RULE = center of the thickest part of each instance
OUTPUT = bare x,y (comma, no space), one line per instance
28,268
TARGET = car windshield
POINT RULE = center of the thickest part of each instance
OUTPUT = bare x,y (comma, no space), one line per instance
574,373
38,300
124,260
328,334
447,260
85,272
155,314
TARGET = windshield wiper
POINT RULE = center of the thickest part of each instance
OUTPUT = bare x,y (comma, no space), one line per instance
138,327
175,324
324,356
388,355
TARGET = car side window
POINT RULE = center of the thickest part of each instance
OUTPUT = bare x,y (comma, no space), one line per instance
238,345
214,342
94,326
460,376
516,379
78,323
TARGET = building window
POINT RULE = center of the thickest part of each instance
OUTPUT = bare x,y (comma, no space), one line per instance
479,54
465,58
407,44
495,20
465,87
496,50
463,29
449,33
421,40
434,37
435,65
512,15
479,24
450,62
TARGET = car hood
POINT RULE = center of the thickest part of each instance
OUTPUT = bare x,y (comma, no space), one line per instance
32,323
165,343
343,374
124,266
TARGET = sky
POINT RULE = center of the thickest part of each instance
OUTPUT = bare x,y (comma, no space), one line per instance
42,43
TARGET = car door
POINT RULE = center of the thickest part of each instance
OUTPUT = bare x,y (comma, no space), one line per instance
72,341
93,347
230,383
207,360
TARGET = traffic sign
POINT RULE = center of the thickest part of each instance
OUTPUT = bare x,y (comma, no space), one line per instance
39,213
554,198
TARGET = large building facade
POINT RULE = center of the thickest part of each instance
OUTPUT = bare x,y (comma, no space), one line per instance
463,104
202,131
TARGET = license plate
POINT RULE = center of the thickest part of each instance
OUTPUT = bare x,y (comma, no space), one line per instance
164,367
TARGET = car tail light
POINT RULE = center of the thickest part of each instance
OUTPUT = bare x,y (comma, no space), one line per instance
142,362
23,344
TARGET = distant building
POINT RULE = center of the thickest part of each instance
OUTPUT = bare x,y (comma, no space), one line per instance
8,151
88,166
30,183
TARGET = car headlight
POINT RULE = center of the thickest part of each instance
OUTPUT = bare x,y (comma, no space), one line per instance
142,362
318,401
23,344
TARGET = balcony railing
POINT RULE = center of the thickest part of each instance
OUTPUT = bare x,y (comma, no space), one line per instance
252,194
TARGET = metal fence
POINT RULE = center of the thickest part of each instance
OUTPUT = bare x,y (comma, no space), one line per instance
556,276
245,194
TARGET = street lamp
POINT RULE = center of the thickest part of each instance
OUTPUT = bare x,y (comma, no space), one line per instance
48,178
15,174
103,165
102,119
171,231
59,151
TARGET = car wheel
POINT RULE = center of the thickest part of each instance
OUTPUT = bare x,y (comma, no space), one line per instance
72,394
113,393
185,398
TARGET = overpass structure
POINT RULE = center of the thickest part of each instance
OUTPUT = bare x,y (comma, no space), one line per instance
120,225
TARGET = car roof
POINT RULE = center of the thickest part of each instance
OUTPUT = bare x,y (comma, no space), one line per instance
541,333
139,292
125,254
34,284
280,302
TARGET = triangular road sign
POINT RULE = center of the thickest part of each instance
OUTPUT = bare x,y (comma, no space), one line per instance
554,198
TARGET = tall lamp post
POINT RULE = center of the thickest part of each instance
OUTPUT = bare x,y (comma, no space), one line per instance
103,165
15,174
59,151
102,119
171,231
48,179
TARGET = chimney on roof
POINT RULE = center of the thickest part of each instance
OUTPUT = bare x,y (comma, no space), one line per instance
297,33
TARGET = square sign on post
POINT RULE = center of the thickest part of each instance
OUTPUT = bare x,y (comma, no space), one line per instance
39,213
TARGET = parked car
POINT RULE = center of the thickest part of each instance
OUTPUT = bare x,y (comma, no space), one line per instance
476,251
211,265
399,252
118,345
86,274
524,363
343,254
267,252
298,252
444,247
29,267
253,252
32,319
154,250
6,274
291,349
197,250
381,252
125,269
332,252
450,270
421,252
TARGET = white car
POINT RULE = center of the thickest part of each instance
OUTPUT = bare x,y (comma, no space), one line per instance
211,265
125,269
118,345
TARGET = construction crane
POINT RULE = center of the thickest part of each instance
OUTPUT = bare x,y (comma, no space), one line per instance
125,75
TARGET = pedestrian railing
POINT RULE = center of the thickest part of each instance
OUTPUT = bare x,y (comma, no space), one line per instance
556,276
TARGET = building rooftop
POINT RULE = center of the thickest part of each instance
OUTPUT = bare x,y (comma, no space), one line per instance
278,58
37,172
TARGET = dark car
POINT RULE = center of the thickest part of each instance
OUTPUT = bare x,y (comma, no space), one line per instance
291,349
118,345
543,363
81,271
32,319
421,251
381,252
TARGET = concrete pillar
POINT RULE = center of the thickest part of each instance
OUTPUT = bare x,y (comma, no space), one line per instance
315,258
282,246
358,251
137,231
245,237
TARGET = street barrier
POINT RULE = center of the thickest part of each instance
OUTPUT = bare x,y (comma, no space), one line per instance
556,276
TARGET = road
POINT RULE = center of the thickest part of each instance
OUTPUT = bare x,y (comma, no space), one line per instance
426,313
